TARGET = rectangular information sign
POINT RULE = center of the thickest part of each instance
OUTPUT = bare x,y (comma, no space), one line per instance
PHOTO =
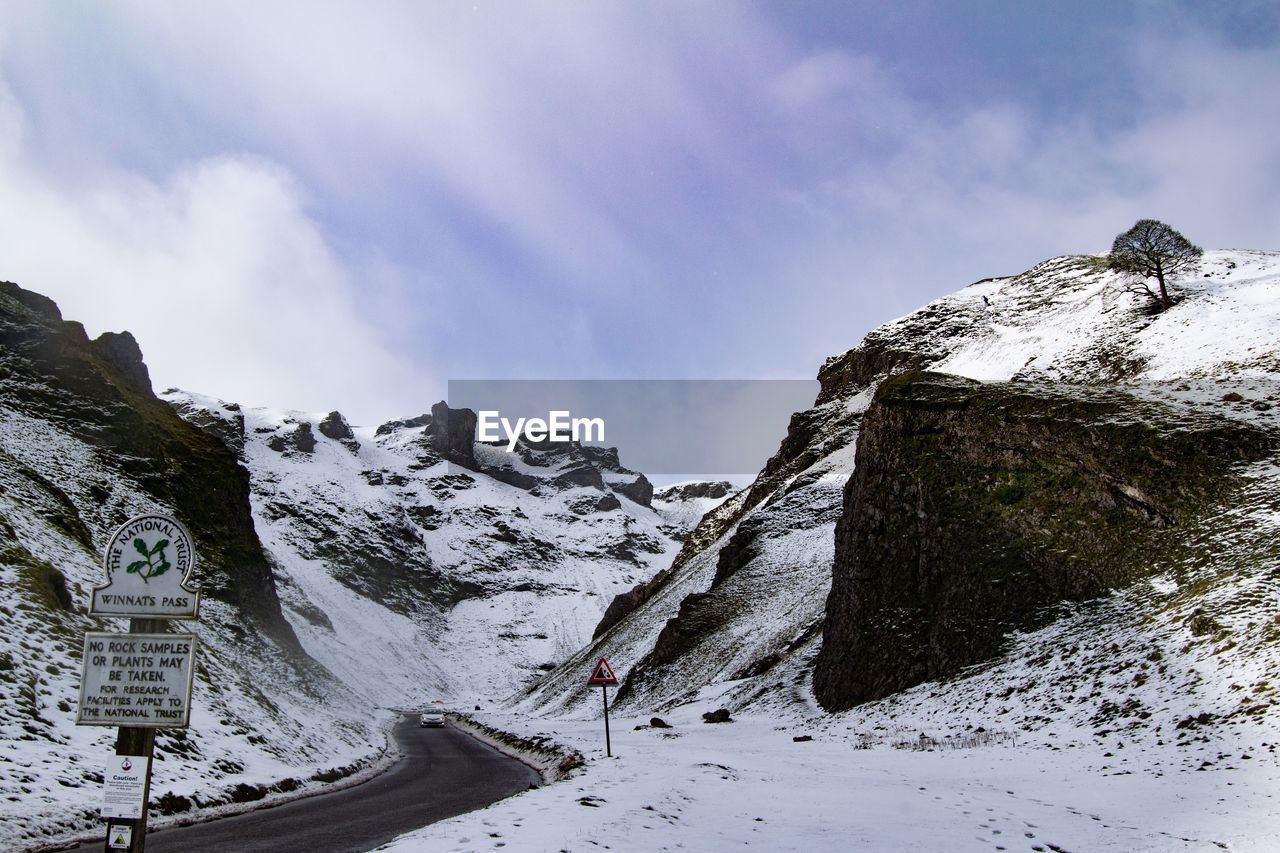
124,786
136,680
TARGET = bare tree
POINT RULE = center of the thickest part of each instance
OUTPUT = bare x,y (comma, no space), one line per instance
1151,249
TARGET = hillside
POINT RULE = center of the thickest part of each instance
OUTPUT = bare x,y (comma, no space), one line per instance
1033,511
741,616
418,564
84,445
1025,550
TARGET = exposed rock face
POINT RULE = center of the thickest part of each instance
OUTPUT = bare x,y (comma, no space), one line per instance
335,426
698,617
974,506
453,434
622,604
639,490
84,446
225,424
744,600
303,438
391,426
122,350
700,489
300,439
553,466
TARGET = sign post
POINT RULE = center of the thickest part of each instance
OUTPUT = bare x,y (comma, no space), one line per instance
139,681
604,676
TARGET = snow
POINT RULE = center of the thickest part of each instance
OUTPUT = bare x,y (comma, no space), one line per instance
541,570
256,719
1057,317
750,784
1145,720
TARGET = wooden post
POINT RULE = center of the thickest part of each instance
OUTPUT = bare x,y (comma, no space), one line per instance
137,740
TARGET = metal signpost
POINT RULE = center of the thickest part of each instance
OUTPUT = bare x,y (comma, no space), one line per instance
139,681
605,678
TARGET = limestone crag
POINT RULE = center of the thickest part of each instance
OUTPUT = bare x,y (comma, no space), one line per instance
975,506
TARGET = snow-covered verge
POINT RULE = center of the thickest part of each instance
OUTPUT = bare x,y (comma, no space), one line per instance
552,760
750,784
247,796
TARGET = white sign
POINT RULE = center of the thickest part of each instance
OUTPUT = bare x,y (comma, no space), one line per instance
136,680
124,788
148,563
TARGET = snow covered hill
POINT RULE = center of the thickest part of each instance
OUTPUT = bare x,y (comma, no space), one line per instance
419,566
84,445
1142,718
405,563
741,615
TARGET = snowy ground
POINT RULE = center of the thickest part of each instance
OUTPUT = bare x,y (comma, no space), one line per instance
750,784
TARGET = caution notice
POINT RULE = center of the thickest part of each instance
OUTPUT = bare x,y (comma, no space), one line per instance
136,680
124,787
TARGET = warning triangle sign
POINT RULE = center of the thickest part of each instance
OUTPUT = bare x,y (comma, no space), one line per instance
602,675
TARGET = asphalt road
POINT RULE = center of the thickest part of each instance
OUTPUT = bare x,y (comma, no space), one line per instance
444,773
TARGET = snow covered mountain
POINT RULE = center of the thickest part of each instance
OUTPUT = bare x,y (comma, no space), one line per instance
343,571
1065,346
416,563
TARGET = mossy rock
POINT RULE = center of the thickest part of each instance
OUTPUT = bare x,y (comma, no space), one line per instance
975,506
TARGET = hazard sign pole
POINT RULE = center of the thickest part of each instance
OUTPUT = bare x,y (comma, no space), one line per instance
604,676
604,694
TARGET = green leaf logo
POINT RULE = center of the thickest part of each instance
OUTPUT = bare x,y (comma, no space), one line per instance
154,562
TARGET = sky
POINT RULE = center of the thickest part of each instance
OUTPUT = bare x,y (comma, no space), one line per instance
320,205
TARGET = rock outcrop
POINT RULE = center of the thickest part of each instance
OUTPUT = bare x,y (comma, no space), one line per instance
743,604
622,604
98,392
335,426
453,434
975,506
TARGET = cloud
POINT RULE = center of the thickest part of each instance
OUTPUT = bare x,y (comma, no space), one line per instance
907,202
217,270
581,189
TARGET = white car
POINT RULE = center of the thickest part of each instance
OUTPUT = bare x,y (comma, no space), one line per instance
432,719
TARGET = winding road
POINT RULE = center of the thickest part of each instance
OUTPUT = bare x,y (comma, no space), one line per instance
444,773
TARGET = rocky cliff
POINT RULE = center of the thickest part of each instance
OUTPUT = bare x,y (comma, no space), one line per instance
975,507
98,392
